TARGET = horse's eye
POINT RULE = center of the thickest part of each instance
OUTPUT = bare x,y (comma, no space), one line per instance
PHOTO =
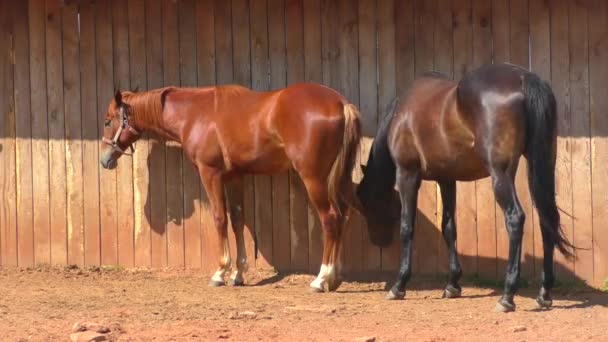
107,123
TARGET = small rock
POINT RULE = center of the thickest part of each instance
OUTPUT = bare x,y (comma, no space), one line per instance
96,328
87,336
311,308
495,322
77,327
223,336
365,339
247,314
519,328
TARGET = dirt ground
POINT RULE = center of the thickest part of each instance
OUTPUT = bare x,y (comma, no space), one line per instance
140,305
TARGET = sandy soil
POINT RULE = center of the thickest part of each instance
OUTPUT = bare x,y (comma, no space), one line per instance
140,305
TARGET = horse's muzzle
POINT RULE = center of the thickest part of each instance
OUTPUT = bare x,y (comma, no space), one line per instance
107,160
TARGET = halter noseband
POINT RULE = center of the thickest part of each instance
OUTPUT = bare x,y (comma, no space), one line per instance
124,124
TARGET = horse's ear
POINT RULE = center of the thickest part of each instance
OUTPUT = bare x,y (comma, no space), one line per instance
118,98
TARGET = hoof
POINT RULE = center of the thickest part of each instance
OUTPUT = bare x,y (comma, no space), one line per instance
314,289
395,295
452,292
543,303
333,286
216,283
503,306
235,282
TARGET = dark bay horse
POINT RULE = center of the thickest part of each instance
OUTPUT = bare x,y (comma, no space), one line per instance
446,131
229,131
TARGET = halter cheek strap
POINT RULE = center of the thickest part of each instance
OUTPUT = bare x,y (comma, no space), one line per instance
123,125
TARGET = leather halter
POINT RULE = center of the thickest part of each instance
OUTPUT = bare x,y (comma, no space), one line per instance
124,124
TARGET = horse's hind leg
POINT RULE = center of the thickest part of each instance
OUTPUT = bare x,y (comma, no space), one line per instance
506,196
235,205
332,223
408,184
214,186
448,228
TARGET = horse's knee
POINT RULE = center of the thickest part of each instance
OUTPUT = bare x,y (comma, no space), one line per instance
330,224
406,232
220,222
236,215
515,220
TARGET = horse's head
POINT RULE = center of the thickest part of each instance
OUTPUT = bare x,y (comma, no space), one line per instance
381,211
118,132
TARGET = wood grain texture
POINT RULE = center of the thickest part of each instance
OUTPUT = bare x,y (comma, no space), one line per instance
141,173
560,83
73,137
91,133
23,132
598,74
582,206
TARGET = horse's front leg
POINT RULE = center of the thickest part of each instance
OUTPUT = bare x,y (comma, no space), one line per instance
214,186
237,218
408,184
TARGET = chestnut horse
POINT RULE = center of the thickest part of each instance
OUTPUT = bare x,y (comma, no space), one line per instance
446,131
230,131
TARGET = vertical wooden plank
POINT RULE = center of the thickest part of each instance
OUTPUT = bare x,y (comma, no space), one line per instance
598,76
206,77
73,136
9,191
280,183
520,34
23,127
368,106
56,120
444,63
191,180
581,144
242,75
560,82
261,82
175,191
348,85
298,215
105,88
466,207
486,233
40,147
386,93
540,63
90,132
157,191
141,174
124,181
313,71
425,239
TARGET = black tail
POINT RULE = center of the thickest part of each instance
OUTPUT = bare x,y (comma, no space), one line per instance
541,141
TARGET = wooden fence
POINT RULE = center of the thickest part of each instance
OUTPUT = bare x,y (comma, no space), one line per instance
60,62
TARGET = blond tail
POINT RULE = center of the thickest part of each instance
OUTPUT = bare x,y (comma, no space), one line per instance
341,188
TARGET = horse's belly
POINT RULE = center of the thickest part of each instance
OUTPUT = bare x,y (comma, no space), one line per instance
460,164
268,160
